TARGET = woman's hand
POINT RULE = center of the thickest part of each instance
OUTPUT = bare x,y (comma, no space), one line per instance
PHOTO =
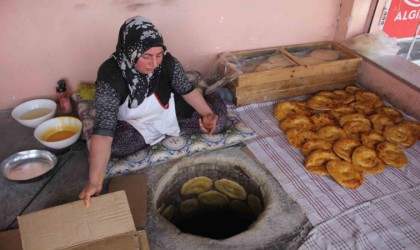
208,119
100,150
89,190
208,123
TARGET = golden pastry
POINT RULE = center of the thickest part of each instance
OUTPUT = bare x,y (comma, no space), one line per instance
297,136
364,157
319,102
345,174
392,113
313,145
283,109
255,204
317,160
213,198
344,148
168,212
323,119
230,188
353,117
413,126
342,109
352,89
196,185
189,206
240,208
337,96
377,168
297,121
371,139
331,133
344,96
328,94
292,132
380,122
369,97
400,135
391,154
354,128
363,107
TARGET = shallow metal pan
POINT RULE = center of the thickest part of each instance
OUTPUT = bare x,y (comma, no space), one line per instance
27,165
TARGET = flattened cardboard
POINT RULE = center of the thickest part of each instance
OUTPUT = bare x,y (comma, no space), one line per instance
135,187
127,241
10,240
143,241
73,225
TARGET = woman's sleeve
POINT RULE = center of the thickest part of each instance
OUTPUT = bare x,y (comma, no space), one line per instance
180,82
107,105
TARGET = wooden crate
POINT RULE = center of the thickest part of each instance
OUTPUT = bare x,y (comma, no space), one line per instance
298,79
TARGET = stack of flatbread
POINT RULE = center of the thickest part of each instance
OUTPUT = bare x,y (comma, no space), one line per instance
274,62
320,55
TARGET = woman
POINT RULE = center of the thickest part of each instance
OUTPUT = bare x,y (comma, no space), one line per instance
143,95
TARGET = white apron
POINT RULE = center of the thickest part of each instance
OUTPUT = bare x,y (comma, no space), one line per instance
151,118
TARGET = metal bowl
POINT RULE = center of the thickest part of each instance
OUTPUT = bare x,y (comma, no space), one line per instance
27,165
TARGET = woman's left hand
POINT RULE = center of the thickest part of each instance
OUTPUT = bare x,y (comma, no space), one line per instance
208,123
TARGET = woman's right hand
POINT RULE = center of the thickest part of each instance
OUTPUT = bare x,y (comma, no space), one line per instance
100,150
89,190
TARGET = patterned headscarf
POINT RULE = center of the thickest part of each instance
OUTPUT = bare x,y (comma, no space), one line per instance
136,36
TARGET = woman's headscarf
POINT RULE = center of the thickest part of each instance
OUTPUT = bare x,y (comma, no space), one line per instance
136,36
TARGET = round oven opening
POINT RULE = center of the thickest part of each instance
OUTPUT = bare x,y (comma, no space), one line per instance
211,201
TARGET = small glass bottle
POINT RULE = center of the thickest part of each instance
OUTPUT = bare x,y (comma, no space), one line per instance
63,97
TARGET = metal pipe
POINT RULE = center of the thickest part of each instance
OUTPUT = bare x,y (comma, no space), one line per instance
412,42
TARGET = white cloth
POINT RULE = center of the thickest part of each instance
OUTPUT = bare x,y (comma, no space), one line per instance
153,120
389,222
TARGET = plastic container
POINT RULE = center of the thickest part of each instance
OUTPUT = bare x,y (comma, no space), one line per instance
63,97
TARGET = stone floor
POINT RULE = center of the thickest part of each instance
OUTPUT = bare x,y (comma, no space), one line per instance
60,185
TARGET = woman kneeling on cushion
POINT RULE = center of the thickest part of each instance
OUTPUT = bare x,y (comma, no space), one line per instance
143,95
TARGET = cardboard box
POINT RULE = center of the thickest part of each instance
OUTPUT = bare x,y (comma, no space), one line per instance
299,78
109,223
135,186
10,240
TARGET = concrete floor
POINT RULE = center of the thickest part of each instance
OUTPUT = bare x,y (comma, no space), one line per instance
60,185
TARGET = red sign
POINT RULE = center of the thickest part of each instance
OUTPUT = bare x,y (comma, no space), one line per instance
402,18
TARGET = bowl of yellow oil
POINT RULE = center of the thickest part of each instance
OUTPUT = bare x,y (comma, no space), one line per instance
59,132
34,112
